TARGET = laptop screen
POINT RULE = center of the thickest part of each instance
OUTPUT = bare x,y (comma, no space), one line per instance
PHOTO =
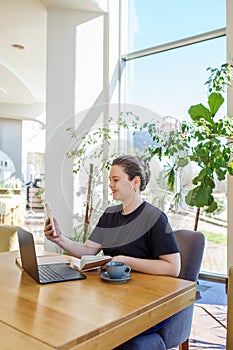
28,253
47,273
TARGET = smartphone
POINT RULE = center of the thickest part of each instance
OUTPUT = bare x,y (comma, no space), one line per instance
49,214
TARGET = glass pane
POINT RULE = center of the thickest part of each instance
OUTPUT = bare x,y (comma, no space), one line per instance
168,84
153,22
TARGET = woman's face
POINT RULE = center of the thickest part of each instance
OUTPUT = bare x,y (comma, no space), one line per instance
122,188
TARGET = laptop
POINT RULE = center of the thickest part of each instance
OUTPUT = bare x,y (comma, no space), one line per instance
44,273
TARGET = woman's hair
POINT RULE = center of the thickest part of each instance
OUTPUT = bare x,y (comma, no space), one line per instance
134,166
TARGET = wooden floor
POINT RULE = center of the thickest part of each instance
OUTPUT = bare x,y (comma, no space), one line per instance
209,321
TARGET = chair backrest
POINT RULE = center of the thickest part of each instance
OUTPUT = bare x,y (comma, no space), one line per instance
178,328
230,310
191,245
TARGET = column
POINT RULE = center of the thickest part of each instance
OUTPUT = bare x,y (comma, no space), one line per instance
61,29
230,113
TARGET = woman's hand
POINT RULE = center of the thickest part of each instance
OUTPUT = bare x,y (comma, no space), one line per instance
167,265
120,258
49,232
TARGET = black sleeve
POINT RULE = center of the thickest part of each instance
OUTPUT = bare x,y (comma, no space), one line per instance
95,235
161,238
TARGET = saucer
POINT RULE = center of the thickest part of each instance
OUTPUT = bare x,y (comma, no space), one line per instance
105,276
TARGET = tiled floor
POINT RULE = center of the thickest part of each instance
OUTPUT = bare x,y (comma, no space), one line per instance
209,321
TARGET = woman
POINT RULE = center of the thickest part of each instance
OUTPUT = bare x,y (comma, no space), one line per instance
134,232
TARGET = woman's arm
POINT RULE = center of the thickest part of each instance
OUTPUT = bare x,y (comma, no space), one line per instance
73,248
168,264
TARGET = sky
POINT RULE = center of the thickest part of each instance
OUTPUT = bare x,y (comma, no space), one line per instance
170,82
168,20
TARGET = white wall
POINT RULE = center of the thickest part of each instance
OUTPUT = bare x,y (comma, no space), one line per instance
11,142
60,111
77,84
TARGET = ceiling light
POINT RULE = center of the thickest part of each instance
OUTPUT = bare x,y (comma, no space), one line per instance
18,46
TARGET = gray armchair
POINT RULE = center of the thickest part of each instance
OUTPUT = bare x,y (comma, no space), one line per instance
177,330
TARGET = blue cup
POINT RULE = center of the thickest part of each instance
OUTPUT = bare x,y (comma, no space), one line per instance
117,269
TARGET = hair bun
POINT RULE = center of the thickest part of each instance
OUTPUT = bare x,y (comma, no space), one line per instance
146,169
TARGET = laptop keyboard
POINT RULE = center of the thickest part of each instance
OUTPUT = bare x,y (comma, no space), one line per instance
47,274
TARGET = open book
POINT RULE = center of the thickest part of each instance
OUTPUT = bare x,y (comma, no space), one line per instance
90,262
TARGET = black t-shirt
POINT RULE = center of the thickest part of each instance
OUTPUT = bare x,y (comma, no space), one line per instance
145,233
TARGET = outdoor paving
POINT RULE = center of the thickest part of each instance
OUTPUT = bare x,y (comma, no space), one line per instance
215,254
207,332
186,220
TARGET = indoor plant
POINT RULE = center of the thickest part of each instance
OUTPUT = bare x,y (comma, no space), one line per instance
206,140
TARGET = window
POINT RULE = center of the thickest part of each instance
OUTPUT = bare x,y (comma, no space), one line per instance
168,82
152,23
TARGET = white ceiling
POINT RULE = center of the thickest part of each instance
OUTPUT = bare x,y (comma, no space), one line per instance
23,71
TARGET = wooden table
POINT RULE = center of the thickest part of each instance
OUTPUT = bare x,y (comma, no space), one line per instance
86,314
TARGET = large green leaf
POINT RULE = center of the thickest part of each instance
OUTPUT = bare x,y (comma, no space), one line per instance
230,168
200,112
221,174
199,177
202,196
212,207
190,197
170,175
198,196
215,101
182,162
